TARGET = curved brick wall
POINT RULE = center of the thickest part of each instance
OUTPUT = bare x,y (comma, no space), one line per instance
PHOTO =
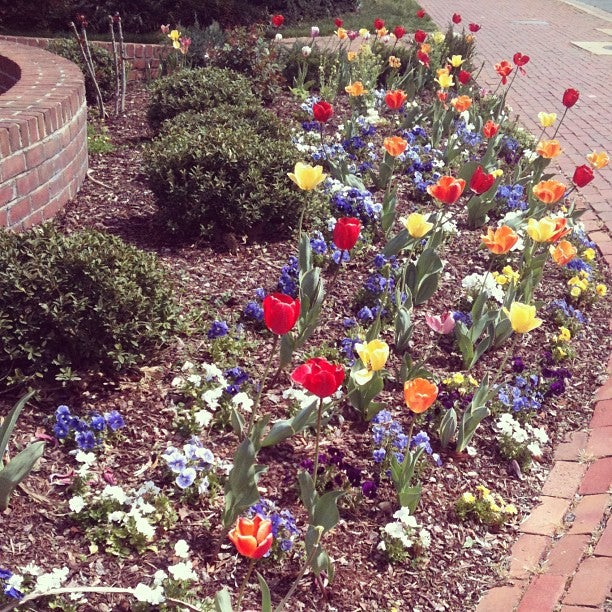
43,134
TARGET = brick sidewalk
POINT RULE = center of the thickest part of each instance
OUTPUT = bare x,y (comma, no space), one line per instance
562,560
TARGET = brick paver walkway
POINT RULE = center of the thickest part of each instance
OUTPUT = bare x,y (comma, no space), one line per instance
562,560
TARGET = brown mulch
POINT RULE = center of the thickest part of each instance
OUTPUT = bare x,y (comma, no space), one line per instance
465,559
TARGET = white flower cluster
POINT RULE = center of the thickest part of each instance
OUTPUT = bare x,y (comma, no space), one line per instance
406,531
475,283
519,435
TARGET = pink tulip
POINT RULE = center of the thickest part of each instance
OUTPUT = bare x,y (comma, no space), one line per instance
441,324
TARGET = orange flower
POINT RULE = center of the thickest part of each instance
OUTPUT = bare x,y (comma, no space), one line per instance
560,229
252,537
549,192
490,128
598,160
447,190
425,48
442,96
395,99
504,68
563,253
548,149
501,240
356,89
419,394
461,103
395,145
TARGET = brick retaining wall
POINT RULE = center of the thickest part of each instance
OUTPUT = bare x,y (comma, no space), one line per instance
43,134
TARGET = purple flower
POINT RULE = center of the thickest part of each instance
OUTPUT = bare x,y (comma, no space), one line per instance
114,420
217,330
369,489
186,477
85,440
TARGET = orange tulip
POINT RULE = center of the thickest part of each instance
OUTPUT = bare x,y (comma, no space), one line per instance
549,192
501,240
395,99
598,160
252,537
563,253
549,149
419,394
447,190
356,89
461,103
560,229
395,145
490,128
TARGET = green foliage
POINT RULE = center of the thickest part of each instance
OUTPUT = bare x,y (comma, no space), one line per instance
224,178
103,65
203,42
98,140
197,90
86,300
320,60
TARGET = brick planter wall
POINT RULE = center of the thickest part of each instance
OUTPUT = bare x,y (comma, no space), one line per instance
43,134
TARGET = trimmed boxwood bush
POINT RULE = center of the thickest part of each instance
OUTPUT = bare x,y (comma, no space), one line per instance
227,177
83,301
197,90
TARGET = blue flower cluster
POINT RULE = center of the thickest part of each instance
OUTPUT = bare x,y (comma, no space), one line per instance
218,329
512,197
284,526
463,317
87,433
467,136
579,265
567,310
347,348
288,281
254,310
377,284
7,588
353,202
510,150
318,244
236,377
522,396
192,462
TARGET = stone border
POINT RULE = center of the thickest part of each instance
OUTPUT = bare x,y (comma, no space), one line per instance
43,134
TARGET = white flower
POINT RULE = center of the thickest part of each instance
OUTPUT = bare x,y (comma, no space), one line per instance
15,582
403,514
395,530
278,37
158,577
195,379
177,381
425,538
146,594
86,458
204,486
114,492
306,50
51,580
381,546
540,435
211,397
242,400
212,371
203,418
32,569
76,504
534,449
116,517
183,571
148,487
187,366
181,549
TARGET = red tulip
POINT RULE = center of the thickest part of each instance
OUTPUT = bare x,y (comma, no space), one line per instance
456,18
420,14
464,77
395,99
481,181
583,175
338,22
519,59
423,58
474,27
346,232
399,32
420,36
281,313
447,190
252,537
319,376
490,128
277,20
322,111
570,97
503,69
379,24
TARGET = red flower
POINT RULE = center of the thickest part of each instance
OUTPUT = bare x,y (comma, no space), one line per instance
319,376
281,313
570,97
423,58
277,20
322,111
447,190
519,59
338,22
503,69
346,232
474,27
420,14
456,18
481,181
583,175
464,77
420,36
379,24
395,99
252,537
490,128
399,32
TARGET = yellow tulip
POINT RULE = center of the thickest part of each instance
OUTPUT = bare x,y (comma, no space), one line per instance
341,33
455,61
541,230
522,317
417,225
307,177
364,33
374,356
445,80
547,119
351,56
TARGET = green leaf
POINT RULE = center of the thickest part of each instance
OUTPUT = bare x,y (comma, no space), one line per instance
8,424
283,429
287,346
308,495
17,470
326,513
223,601
266,599
448,427
305,254
410,497
398,243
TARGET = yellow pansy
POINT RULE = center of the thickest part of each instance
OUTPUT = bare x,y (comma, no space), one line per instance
522,317
565,335
458,378
513,275
417,225
374,356
541,230
307,177
455,61
497,173
394,62
468,498
575,292
588,254
510,509
547,119
601,289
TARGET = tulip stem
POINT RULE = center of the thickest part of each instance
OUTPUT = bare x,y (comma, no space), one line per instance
316,457
502,365
261,387
244,583
560,122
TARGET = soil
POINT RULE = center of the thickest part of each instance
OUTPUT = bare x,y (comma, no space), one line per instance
465,559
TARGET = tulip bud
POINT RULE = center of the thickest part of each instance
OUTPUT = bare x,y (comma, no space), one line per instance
570,97
583,175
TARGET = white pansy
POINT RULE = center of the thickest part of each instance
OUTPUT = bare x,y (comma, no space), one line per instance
14,582
159,576
114,492
243,401
187,366
146,594
32,569
116,517
204,486
195,379
211,397
181,549
51,580
183,571
203,418
76,503
86,458
425,538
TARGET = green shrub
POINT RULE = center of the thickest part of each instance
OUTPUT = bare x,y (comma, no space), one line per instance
223,178
197,90
77,302
103,65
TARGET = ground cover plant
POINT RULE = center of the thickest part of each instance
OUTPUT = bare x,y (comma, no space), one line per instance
352,415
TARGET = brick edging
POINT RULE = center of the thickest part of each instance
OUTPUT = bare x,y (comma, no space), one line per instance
43,134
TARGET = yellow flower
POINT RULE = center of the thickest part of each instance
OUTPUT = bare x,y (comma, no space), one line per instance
458,378
588,254
497,173
382,32
174,35
541,230
307,177
513,275
341,33
417,225
364,33
351,56
510,509
565,335
445,80
501,279
575,292
395,62
455,61
547,119
374,356
356,89
438,37
472,380
522,317
598,160
601,289
468,498
483,491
